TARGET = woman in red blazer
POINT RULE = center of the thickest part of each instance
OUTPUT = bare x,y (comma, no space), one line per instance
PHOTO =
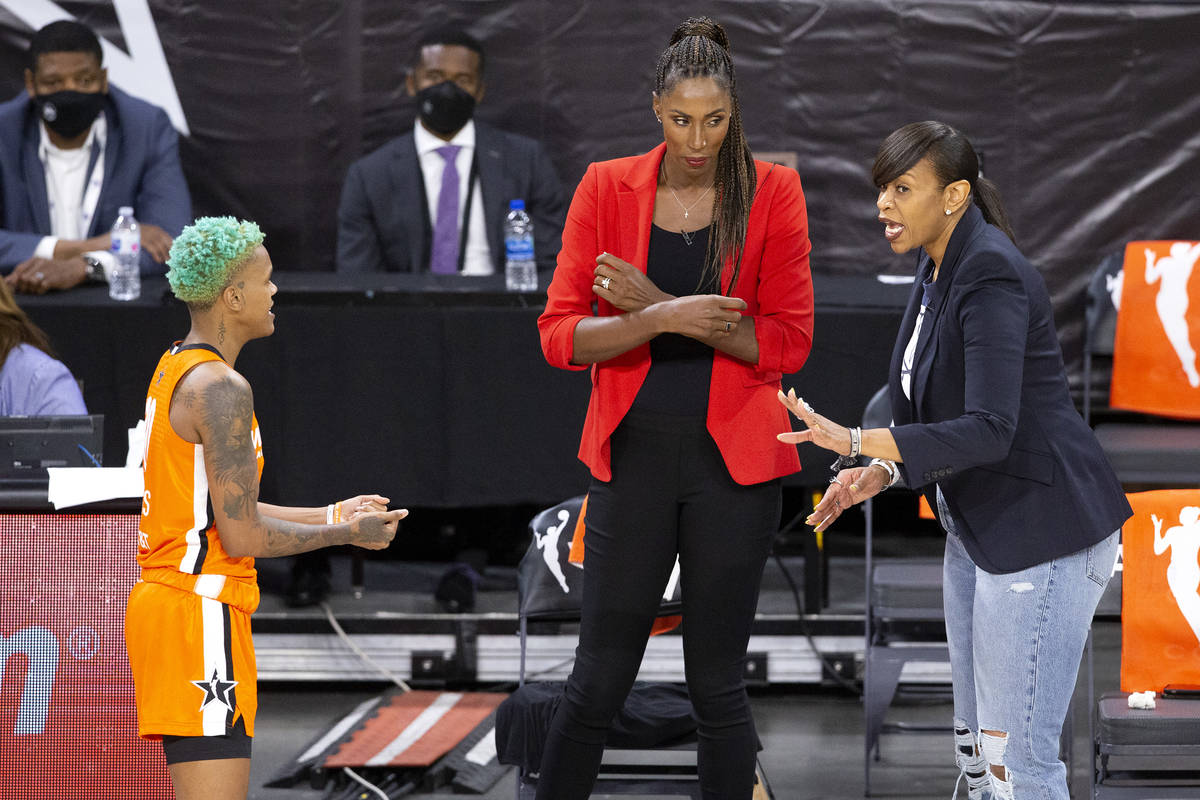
683,283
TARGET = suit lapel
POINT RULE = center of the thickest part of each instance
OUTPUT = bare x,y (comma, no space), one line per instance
963,233
35,176
925,349
635,207
112,148
490,163
406,172
901,412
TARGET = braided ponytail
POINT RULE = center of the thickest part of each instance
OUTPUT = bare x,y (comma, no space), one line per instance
699,48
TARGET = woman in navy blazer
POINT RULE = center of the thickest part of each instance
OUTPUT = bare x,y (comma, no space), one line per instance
696,258
984,427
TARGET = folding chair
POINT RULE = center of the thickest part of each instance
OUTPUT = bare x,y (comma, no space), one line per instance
1138,754
904,620
1145,447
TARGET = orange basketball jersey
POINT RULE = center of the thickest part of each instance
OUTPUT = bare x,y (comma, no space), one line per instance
187,622
178,542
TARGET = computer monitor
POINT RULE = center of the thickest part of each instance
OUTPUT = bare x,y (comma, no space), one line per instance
28,445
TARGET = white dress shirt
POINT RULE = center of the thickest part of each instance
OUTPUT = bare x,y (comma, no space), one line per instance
477,259
71,191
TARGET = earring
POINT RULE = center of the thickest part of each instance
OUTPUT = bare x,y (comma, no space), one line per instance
948,212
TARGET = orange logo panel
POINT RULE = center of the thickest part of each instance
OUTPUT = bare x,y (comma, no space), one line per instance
1160,602
1155,366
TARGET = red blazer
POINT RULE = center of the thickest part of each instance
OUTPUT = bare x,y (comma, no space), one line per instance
612,212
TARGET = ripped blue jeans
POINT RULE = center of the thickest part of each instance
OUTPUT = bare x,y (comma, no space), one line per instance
1016,640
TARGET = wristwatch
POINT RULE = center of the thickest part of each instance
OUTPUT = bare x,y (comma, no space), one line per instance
95,270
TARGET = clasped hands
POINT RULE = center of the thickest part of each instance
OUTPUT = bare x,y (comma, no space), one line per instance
376,537
699,316
849,486
67,269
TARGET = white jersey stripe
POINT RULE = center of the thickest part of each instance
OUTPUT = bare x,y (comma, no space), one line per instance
199,511
416,729
209,585
215,713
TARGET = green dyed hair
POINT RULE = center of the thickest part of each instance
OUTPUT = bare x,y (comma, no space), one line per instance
206,256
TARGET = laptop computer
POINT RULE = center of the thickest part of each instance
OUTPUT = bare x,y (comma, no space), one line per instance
28,445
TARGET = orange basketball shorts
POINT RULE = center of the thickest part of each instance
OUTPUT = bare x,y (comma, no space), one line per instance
192,660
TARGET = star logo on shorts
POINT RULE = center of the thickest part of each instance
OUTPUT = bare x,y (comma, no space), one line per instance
215,690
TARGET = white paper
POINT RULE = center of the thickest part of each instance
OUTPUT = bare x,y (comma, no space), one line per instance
137,444
73,486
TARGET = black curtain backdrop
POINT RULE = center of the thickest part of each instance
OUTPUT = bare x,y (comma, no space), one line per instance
1087,112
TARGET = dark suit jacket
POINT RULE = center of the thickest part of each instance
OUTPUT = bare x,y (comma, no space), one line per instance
991,418
383,219
613,211
141,169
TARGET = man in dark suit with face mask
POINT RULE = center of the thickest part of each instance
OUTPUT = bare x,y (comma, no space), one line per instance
73,150
434,199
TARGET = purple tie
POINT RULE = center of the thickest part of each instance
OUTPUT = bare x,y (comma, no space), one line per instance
444,258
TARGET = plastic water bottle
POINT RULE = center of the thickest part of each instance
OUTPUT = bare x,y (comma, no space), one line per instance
125,282
520,268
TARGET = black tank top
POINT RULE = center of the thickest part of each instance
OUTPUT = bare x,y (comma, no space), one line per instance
680,367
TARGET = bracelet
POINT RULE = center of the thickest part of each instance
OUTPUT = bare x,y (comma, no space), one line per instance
890,468
855,442
329,514
337,513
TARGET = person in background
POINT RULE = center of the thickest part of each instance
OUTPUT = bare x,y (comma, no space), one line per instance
33,383
683,284
73,150
984,427
434,199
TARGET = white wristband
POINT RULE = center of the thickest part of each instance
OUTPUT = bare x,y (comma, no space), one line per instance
329,514
890,467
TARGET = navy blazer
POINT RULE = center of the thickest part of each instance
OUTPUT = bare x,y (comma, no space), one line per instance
991,419
383,218
141,169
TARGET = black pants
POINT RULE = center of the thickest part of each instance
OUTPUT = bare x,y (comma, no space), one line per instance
670,493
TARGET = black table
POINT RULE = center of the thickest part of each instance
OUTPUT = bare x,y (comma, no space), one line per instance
431,390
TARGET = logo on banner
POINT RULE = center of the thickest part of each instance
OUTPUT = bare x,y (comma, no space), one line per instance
1155,366
40,648
1182,543
142,72
548,543
1160,613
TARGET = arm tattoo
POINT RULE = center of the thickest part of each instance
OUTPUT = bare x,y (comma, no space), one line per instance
227,414
288,538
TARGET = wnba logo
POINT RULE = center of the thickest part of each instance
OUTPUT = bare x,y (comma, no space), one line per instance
40,647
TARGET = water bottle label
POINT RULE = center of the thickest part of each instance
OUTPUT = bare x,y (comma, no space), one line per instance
519,248
120,245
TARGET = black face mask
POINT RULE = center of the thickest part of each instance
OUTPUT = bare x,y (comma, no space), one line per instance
445,107
69,113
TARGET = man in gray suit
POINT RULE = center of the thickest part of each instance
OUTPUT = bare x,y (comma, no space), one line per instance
434,199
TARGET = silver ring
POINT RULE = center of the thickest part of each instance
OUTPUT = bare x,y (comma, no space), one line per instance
835,480
41,276
605,282
728,325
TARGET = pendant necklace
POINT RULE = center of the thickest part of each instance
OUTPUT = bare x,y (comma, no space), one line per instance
686,209
688,238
